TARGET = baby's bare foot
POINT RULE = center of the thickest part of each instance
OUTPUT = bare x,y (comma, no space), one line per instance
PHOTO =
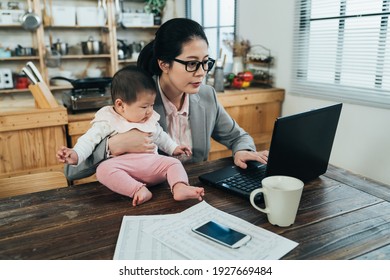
182,191
141,196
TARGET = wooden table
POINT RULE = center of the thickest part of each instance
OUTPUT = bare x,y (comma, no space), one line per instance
341,216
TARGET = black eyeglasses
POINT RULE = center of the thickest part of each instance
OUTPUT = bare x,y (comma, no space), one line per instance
193,65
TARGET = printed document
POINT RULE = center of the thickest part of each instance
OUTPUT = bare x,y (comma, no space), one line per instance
134,244
171,237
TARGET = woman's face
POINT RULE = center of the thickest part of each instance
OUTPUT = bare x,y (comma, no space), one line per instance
175,76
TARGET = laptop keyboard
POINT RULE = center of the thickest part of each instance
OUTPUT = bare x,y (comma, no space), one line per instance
245,181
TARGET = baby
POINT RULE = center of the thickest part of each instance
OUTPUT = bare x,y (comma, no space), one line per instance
133,95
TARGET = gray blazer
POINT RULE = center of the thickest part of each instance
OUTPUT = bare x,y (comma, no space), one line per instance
208,119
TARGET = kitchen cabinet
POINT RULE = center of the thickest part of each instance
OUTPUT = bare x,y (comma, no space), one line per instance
254,109
29,140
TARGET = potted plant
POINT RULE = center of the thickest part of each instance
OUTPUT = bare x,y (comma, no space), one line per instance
240,49
155,7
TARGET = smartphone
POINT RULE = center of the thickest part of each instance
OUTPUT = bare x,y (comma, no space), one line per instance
222,234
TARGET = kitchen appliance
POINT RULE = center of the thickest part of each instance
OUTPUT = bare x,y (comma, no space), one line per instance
87,94
6,80
86,83
21,81
24,51
52,58
92,46
30,20
61,47
124,50
79,100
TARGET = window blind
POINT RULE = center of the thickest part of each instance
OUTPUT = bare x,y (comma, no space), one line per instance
342,50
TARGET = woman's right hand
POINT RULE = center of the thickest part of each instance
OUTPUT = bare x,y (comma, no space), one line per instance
133,141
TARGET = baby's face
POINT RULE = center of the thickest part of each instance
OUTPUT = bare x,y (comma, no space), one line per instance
141,110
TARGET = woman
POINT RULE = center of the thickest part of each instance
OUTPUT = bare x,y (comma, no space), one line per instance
190,112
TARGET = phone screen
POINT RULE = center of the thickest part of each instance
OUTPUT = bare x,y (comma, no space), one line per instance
220,233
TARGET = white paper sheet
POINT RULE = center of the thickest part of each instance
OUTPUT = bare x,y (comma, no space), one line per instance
177,234
171,237
135,244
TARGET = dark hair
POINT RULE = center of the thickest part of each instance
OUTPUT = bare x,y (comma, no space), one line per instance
129,82
168,43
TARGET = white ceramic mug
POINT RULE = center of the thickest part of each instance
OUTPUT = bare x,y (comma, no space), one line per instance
282,195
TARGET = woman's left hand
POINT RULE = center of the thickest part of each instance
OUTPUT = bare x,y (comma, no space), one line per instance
241,157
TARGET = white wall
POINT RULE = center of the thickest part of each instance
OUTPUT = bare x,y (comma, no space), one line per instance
362,143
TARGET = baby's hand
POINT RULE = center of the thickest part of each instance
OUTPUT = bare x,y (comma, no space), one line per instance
180,150
66,155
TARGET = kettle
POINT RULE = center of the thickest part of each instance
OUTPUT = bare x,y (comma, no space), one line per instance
92,46
123,50
61,47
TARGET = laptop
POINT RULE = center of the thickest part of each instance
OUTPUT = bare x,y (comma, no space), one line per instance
300,147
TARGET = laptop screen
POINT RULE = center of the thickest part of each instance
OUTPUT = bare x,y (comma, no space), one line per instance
302,143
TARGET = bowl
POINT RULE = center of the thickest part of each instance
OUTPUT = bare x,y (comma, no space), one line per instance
94,73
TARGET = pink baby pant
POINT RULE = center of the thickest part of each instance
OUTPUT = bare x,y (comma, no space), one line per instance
127,173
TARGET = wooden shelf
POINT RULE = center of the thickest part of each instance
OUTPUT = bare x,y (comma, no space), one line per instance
12,90
84,56
124,61
19,58
76,27
141,27
11,26
259,63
